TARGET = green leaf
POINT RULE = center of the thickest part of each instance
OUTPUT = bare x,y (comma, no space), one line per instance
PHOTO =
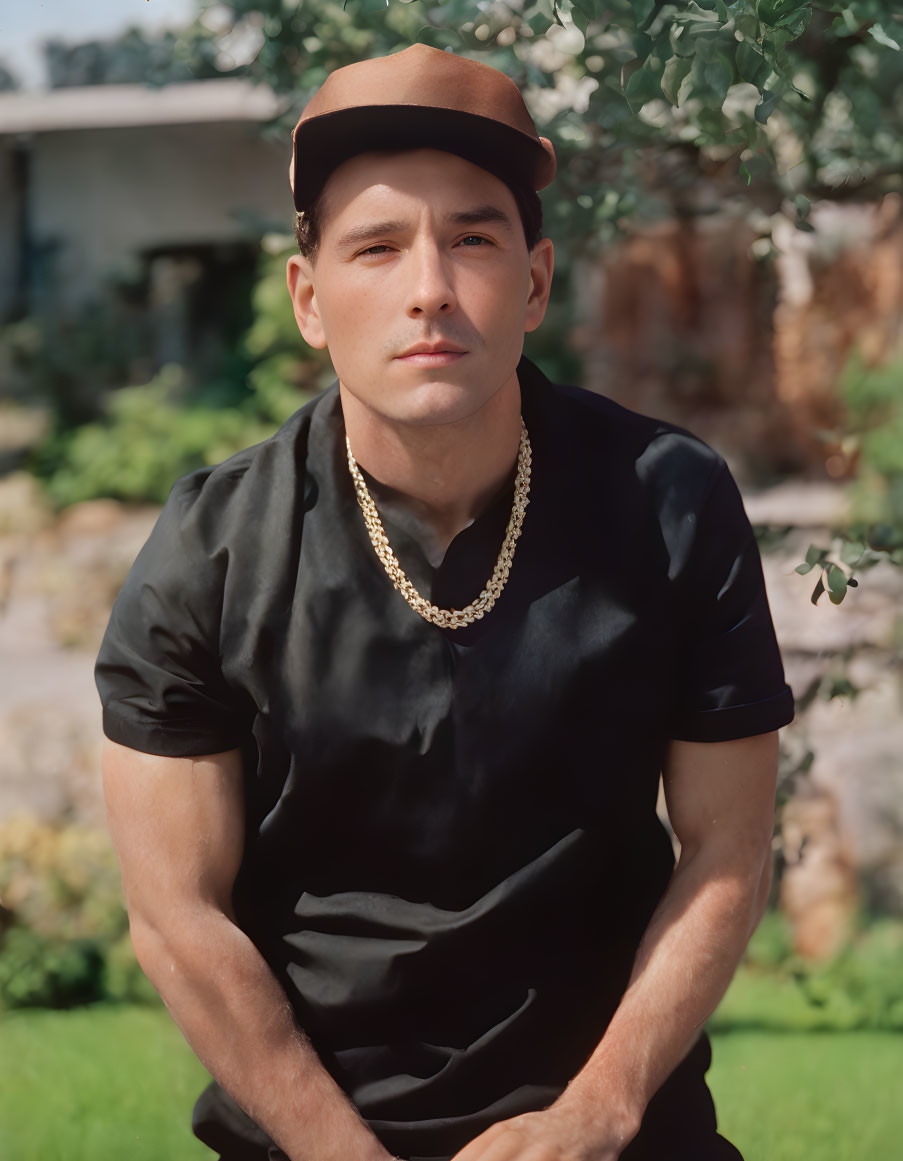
852,552
676,72
681,42
747,24
837,584
752,65
766,106
581,14
778,12
719,74
818,590
695,13
878,33
642,45
815,555
643,86
802,569
643,10
744,172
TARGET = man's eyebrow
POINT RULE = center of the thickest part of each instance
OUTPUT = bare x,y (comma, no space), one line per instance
471,217
365,233
485,213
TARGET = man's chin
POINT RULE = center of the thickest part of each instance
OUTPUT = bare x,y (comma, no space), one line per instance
438,403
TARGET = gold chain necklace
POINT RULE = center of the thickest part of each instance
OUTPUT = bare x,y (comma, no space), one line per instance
477,609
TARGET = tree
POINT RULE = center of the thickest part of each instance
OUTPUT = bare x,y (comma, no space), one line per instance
134,57
773,99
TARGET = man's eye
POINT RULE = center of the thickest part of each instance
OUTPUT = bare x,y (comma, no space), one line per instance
378,249
476,238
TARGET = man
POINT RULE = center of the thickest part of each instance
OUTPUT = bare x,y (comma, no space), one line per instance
387,828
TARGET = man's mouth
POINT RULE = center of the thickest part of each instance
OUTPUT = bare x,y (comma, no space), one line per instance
432,354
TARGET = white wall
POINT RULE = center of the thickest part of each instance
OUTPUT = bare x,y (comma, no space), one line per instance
105,195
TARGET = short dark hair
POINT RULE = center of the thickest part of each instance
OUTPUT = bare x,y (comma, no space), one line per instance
309,224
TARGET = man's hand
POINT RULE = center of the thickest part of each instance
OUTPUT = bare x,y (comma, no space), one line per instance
560,1133
721,801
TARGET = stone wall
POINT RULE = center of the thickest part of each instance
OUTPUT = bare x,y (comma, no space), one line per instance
843,833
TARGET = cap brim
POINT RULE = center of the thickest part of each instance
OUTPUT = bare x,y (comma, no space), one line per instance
323,143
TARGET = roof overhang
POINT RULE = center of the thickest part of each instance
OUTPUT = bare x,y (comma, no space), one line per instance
125,106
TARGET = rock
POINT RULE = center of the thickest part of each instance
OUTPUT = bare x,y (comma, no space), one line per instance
799,504
56,589
23,507
819,892
856,738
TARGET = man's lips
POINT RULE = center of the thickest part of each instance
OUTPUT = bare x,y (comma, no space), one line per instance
432,354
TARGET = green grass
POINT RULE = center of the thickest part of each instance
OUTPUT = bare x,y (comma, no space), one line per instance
97,1084
118,1083
792,1084
817,1096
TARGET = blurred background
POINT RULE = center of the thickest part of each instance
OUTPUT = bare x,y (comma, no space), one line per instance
729,232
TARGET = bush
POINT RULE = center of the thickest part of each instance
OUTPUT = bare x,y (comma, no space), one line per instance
865,979
770,947
64,934
874,400
861,987
148,438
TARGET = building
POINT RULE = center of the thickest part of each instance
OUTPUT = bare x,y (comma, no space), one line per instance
163,193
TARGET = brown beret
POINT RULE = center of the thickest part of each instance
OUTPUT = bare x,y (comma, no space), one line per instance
419,98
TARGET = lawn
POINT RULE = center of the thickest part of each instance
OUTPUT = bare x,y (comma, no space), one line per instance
97,1084
790,1087
110,1083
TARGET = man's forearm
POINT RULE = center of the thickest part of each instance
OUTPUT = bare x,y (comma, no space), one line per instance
238,1020
685,962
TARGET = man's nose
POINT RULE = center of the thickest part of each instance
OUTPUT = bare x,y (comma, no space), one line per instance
431,290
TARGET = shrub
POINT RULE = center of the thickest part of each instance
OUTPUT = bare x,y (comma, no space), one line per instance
148,438
865,978
64,934
860,987
874,400
770,946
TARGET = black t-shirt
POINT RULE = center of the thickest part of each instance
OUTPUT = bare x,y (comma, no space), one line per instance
452,845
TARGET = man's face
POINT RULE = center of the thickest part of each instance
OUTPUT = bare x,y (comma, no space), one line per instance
423,286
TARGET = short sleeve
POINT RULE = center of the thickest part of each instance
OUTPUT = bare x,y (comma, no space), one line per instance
158,671
730,679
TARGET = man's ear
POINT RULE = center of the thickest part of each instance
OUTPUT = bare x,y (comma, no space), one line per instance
299,276
542,264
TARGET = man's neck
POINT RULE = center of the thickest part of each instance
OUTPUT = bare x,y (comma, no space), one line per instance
447,473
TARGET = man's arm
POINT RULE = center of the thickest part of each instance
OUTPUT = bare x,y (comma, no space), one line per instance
720,800
178,828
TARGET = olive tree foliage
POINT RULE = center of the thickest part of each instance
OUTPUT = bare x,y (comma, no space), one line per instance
774,101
